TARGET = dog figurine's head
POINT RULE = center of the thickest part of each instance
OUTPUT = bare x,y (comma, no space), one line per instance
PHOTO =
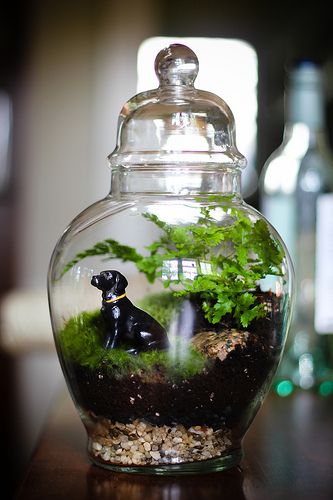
110,281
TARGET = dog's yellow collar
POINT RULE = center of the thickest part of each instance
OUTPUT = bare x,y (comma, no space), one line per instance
116,298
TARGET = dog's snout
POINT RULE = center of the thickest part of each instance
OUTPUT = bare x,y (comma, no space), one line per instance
94,280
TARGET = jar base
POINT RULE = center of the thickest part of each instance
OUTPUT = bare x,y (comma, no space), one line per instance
224,462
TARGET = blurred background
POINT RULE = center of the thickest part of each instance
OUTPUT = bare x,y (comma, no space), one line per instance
66,69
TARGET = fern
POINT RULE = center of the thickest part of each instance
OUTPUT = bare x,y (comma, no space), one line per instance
239,254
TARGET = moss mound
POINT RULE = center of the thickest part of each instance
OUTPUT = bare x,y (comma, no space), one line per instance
161,306
81,343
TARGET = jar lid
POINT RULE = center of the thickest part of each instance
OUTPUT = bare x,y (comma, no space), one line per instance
176,124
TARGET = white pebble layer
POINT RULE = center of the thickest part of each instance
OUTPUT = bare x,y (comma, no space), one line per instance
140,443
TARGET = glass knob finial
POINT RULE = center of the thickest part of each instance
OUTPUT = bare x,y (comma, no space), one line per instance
176,65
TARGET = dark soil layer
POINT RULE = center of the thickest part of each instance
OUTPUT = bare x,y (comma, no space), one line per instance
226,393
217,397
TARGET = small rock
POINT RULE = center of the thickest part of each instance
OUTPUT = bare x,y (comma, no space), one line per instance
177,440
125,445
155,455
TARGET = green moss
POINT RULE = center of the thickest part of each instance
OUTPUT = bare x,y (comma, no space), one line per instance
81,343
162,306
81,338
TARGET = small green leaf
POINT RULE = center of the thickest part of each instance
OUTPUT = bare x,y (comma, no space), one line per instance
251,314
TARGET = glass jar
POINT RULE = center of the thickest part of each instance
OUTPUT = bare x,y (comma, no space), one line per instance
171,298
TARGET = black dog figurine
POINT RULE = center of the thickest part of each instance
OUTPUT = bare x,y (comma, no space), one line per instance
126,325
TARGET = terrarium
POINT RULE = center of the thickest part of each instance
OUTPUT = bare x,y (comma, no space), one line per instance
170,298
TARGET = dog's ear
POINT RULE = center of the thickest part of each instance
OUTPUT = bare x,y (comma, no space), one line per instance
121,281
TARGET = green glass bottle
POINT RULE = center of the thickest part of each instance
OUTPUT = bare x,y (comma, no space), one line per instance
297,197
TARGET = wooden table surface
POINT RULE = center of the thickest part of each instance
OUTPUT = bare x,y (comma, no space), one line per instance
288,455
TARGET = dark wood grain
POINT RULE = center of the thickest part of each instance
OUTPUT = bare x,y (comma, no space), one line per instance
288,454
